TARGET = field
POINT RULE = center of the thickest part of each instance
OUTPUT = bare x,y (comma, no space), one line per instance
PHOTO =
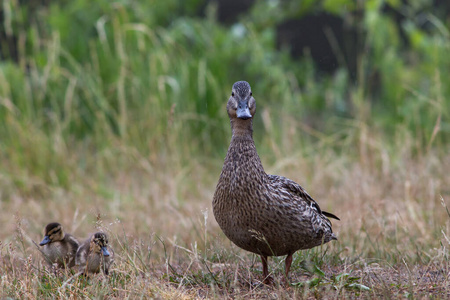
124,130
393,234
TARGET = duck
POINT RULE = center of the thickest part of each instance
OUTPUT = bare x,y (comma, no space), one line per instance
95,255
268,215
59,248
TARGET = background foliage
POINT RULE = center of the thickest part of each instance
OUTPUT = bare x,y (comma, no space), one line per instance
153,71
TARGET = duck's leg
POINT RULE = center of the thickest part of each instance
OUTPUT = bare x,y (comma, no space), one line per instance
267,279
288,263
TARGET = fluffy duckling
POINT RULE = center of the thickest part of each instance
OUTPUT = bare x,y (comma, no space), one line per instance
58,247
265,214
95,255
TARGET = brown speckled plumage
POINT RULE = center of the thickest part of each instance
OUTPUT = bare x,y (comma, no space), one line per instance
265,214
58,247
95,255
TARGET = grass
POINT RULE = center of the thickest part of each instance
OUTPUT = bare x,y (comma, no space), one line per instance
393,237
115,120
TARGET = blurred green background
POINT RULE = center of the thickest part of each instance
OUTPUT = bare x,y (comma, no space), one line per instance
88,88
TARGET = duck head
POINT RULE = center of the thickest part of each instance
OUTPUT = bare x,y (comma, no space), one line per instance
53,232
99,244
241,104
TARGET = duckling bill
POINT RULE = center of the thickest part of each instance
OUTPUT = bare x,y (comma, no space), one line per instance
265,214
59,248
95,255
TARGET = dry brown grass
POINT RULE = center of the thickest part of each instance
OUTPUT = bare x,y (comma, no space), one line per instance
393,234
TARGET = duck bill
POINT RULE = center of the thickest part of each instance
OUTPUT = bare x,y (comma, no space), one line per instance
243,112
105,251
45,241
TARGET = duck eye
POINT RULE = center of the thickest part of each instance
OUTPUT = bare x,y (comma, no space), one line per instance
251,94
232,94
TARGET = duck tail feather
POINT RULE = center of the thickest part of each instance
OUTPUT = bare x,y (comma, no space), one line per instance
330,215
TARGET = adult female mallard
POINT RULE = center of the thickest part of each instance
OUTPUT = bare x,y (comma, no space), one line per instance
265,214
59,248
95,255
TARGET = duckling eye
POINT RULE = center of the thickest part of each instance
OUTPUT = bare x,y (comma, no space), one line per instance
232,94
251,94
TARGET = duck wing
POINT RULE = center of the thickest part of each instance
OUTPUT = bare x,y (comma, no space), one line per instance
283,183
82,254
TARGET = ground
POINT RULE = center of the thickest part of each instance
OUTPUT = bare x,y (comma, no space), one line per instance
392,237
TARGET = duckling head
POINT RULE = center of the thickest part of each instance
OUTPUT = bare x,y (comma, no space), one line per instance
99,243
53,232
241,104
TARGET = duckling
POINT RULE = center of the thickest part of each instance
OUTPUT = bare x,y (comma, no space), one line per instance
59,248
265,214
95,255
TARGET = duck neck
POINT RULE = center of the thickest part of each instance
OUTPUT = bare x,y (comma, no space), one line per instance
242,129
242,154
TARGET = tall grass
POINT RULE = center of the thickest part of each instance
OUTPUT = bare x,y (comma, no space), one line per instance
108,72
